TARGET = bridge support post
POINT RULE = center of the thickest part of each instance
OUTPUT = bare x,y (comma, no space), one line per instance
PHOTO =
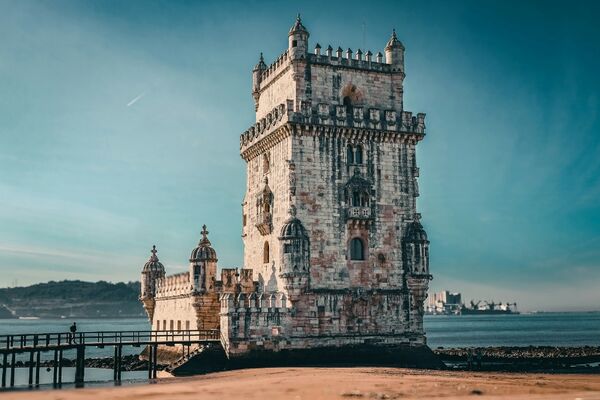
117,363
37,368
60,358
55,368
30,382
80,366
150,358
154,360
4,366
12,369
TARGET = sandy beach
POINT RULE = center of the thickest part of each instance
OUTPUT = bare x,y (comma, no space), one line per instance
341,383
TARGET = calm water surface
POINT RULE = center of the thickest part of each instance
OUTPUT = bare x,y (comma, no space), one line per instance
543,329
540,329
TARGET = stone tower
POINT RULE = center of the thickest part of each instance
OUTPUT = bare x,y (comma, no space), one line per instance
329,214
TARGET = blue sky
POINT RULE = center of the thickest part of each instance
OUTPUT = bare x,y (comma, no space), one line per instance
120,123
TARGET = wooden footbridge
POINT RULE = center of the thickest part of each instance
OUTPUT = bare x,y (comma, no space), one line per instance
56,343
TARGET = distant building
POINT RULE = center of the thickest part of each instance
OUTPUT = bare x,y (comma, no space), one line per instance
334,251
444,302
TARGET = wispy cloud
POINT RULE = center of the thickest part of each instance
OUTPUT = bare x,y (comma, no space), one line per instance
136,99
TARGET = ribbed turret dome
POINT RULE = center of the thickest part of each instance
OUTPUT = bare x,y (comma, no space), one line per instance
153,265
292,228
415,232
394,42
261,64
298,27
204,251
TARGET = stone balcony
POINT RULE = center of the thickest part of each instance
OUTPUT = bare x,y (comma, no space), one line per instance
264,224
363,213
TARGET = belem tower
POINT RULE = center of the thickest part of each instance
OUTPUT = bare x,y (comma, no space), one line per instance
335,256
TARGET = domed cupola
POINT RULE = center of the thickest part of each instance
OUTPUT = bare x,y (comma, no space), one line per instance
298,27
394,42
292,228
153,265
204,251
415,232
295,255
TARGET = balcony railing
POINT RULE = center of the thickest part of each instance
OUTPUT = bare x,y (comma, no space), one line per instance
358,213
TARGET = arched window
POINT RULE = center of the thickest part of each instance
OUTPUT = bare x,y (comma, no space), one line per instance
266,253
357,250
358,158
350,155
348,105
360,199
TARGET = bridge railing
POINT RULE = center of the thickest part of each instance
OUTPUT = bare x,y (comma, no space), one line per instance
40,340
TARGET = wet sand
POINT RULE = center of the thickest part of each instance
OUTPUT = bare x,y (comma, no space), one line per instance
341,383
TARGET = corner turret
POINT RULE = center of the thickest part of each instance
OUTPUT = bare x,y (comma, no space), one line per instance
298,40
394,53
203,265
295,255
151,272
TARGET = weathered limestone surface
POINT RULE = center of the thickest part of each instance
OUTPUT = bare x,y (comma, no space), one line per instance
334,251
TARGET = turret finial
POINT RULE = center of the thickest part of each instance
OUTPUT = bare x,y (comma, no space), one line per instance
292,211
298,18
204,233
153,257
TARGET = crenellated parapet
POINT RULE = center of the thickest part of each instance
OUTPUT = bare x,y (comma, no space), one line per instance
254,317
348,59
174,285
280,65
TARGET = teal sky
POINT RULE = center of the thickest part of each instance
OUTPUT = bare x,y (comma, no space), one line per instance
120,123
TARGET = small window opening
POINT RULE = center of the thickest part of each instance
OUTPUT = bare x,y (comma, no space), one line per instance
357,249
350,155
266,253
348,104
294,43
359,155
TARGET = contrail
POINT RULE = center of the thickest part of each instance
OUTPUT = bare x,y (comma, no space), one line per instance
135,100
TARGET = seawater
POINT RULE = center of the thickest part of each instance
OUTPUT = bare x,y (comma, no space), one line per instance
539,329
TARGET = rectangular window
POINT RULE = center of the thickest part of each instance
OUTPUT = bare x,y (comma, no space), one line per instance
187,325
171,325
164,324
178,325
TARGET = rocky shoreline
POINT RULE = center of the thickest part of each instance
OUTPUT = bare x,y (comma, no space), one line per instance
584,359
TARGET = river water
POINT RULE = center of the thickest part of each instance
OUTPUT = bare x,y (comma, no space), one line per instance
540,329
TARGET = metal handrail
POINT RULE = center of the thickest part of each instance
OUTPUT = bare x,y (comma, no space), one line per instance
40,340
